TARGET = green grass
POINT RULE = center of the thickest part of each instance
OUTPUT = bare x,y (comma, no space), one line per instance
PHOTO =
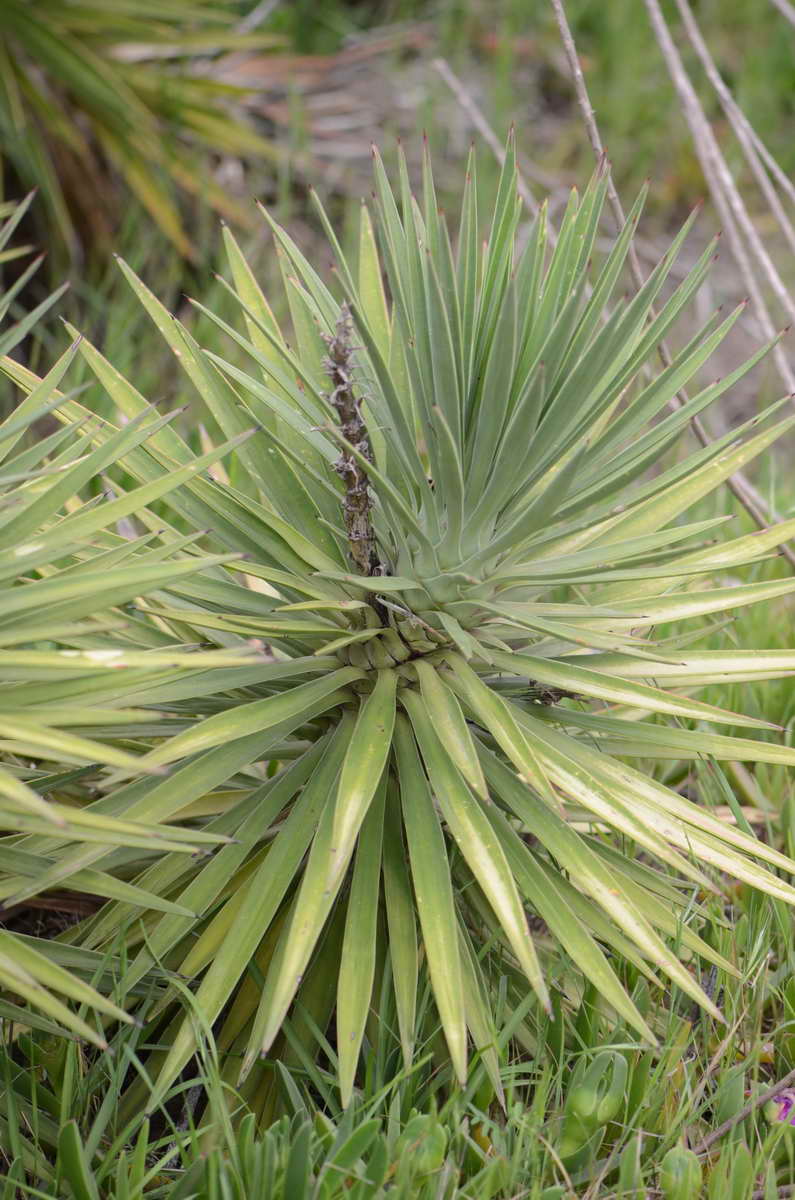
415,1134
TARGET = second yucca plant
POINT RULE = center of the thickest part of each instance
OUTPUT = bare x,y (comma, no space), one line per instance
455,557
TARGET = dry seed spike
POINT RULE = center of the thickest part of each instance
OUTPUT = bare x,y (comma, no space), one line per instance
340,365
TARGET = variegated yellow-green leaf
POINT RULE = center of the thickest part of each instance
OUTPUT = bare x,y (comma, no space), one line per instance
328,710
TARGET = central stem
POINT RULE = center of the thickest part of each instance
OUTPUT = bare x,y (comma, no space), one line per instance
357,504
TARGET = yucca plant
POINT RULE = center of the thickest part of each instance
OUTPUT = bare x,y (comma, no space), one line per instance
455,564
102,99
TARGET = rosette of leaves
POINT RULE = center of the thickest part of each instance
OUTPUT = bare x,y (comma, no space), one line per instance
456,559
64,571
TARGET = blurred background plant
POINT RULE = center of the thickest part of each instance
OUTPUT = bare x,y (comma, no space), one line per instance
178,105
103,102
141,123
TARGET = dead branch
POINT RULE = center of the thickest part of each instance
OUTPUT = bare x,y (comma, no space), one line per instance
741,487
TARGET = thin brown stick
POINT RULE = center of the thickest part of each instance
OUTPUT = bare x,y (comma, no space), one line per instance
742,128
744,1112
786,9
258,15
592,129
714,1062
483,127
725,195
786,1189
741,487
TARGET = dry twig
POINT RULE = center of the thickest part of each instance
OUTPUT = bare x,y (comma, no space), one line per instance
752,146
758,1102
725,195
786,9
483,127
741,487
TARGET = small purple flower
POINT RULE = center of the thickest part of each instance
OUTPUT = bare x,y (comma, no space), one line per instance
786,1106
